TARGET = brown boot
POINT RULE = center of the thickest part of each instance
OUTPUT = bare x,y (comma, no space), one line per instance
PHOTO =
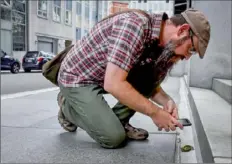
135,133
67,125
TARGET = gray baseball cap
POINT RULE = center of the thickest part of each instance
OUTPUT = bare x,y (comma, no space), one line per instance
200,26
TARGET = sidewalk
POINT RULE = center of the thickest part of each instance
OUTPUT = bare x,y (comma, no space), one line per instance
30,132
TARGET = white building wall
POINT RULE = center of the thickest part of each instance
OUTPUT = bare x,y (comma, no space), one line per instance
86,23
153,6
47,27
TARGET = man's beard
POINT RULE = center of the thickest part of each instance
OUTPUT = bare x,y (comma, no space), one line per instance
168,57
166,61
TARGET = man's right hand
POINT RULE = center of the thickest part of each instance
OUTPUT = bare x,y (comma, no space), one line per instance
163,119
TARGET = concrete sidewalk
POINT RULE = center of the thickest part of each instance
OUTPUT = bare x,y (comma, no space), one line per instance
30,132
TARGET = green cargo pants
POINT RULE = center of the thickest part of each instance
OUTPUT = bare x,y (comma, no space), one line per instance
87,108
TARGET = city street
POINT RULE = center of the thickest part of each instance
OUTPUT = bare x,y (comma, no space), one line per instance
31,132
21,82
148,37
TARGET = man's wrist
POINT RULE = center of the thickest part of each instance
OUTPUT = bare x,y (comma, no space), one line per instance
154,110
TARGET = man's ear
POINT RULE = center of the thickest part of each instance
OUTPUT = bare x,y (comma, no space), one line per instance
183,29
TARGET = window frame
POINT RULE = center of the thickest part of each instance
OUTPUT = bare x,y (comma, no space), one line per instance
18,45
65,14
10,5
79,12
41,16
55,7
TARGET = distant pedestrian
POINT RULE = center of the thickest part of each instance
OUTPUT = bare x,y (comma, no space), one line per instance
127,55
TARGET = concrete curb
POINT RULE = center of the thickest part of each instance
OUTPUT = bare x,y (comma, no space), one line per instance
203,149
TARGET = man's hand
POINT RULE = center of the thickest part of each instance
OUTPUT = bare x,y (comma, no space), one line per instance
171,108
163,119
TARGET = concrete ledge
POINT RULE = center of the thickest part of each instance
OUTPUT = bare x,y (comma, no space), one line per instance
204,147
212,118
188,134
223,88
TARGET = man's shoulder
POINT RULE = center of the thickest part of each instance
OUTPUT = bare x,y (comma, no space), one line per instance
135,16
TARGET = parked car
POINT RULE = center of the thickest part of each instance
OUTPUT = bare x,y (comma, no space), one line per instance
9,63
34,60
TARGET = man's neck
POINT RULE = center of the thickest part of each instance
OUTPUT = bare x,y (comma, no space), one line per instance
168,30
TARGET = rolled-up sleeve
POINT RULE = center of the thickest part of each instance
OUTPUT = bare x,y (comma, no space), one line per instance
125,42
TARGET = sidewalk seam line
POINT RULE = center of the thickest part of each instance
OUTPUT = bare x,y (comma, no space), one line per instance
27,93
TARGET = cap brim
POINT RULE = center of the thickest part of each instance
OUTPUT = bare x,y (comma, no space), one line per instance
202,49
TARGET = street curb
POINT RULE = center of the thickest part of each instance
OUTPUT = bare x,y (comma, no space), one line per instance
27,93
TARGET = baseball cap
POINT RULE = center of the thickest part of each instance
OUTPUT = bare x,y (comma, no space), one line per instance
200,26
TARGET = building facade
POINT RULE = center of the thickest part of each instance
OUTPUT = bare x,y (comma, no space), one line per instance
51,23
88,13
46,25
36,25
13,25
153,6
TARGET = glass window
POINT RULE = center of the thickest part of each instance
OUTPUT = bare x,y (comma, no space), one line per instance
18,6
68,12
2,53
32,54
18,18
68,17
68,4
5,14
133,4
6,3
94,14
87,10
18,26
42,8
105,8
161,7
78,33
78,8
22,1
57,10
100,10
57,3
18,37
86,20
86,32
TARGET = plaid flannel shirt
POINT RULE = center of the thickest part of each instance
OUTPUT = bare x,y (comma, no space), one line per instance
118,40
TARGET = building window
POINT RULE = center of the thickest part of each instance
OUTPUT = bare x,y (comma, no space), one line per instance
78,14
100,10
105,8
5,14
78,8
19,37
94,12
180,6
57,10
19,25
18,17
68,12
78,33
6,3
86,24
42,10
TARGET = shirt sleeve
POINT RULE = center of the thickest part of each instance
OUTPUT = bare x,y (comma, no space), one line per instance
126,42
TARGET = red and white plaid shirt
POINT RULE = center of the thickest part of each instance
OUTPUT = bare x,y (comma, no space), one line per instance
119,40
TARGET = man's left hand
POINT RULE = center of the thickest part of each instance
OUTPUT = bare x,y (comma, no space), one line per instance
171,108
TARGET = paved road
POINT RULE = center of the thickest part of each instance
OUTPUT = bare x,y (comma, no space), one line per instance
32,133
14,83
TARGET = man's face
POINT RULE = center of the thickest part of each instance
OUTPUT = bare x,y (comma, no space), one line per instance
186,43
